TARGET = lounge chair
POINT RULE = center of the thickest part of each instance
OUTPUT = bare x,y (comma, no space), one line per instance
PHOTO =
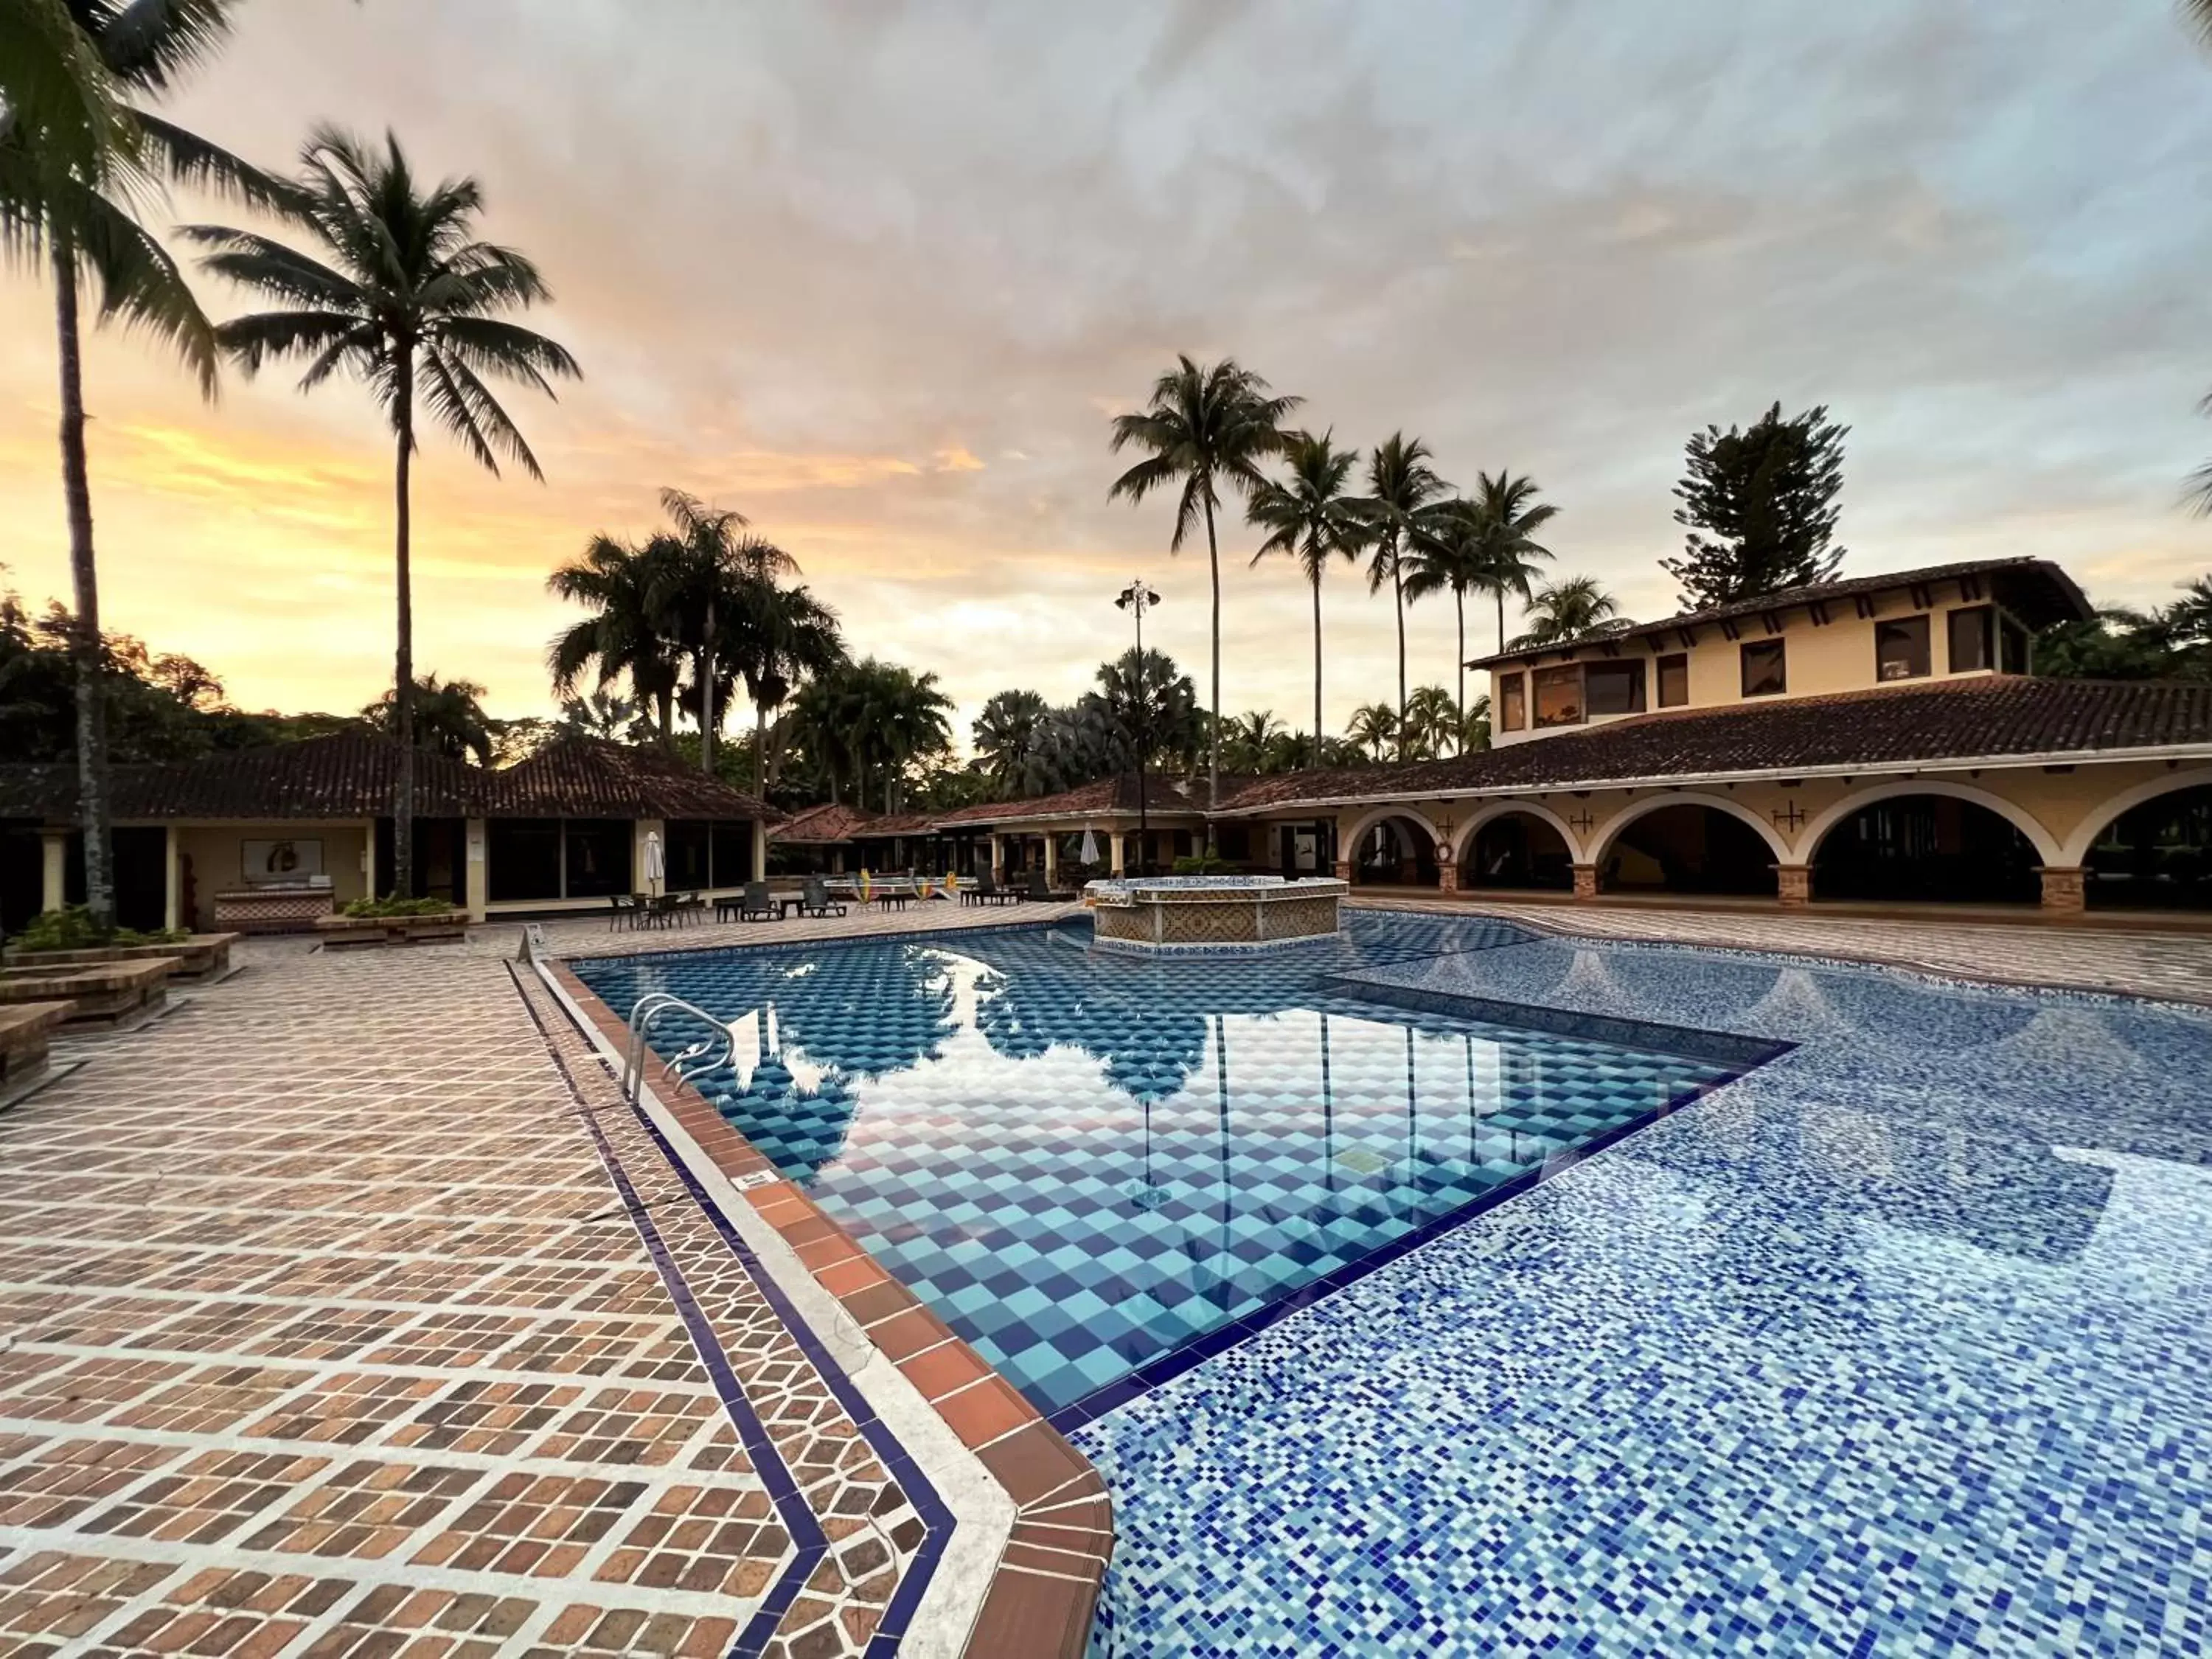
1033,886
987,890
758,905
815,900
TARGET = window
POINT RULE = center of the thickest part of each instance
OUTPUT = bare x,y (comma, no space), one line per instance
1970,640
1559,695
1615,687
732,845
1675,680
597,853
685,844
1900,648
1512,702
2012,646
1763,672
523,858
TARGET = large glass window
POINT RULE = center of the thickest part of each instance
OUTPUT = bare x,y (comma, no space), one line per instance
688,844
1674,681
1615,687
1559,695
598,857
1764,673
1970,640
1512,702
733,852
525,858
1900,648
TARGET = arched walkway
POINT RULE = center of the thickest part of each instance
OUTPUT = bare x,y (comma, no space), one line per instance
1517,849
2044,844
1677,845
2154,854
1394,850
1925,847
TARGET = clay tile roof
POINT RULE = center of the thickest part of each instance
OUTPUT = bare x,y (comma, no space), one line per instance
1990,719
589,777
2036,589
1103,796
830,825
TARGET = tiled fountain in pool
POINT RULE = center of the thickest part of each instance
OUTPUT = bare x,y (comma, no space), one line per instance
1101,1171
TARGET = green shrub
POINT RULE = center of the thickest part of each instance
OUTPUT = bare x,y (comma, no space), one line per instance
395,906
73,929
1204,863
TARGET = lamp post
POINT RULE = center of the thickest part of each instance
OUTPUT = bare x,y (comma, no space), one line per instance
1137,599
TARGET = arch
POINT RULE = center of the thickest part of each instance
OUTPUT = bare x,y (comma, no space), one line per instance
1516,846
1609,832
2107,812
1407,844
1498,809
1373,816
1922,846
2046,844
2155,851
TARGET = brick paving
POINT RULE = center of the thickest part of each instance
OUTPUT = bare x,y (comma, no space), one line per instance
325,1329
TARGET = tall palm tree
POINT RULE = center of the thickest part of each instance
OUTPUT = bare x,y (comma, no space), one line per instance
1004,735
1509,515
622,637
700,583
1445,555
1202,428
74,149
1573,608
1433,723
1402,488
1310,516
779,637
407,301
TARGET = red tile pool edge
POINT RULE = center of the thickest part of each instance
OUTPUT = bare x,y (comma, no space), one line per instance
1045,1591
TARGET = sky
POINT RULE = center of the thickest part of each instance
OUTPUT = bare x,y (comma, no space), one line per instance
879,275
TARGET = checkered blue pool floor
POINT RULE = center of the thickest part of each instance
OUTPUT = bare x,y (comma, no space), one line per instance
1100,1171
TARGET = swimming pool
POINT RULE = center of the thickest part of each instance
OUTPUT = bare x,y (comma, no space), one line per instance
1896,1343
1102,1172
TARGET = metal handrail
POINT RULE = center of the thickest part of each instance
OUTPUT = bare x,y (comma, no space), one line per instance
693,1061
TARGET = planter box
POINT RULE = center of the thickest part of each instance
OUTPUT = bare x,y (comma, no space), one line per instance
203,956
340,933
103,993
24,1030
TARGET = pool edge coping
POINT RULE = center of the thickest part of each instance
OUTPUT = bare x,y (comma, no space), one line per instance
1043,1591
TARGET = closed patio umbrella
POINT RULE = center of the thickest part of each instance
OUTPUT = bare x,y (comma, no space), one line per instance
1090,853
656,861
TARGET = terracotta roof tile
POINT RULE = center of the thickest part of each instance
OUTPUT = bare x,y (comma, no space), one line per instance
1961,719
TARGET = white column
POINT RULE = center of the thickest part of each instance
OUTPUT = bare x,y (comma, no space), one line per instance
368,859
760,850
998,855
1118,851
1051,859
173,885
477,890
53,870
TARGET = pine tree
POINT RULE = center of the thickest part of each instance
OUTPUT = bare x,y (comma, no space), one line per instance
1764,500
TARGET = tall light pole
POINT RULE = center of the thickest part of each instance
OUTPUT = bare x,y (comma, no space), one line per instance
1137,599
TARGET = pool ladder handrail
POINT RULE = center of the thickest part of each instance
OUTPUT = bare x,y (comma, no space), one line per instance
695,1060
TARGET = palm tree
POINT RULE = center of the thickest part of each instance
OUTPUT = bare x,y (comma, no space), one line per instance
700,583
1309,516
1005,735
1401,499
449,719
622,637
1510,515
1446,555
778,637
1203,428
1432,719
73,150
1573,607
1149,710
408,302
1374,729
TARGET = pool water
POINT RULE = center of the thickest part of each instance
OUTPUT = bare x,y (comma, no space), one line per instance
1102,1172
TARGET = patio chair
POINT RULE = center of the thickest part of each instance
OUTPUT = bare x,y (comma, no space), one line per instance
1033,886
757,906
691,907
621,910
815,900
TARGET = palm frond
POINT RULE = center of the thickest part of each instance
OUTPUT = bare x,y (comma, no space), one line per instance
139,282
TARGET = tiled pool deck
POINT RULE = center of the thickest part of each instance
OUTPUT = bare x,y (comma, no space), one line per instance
348,1311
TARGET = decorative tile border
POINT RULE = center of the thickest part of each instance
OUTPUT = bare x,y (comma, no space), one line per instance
1040,1602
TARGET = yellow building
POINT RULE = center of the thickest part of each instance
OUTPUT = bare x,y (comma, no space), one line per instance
1882,739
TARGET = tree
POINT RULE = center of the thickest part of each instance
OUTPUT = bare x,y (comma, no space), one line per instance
1310,517
1432,724
1401,501
1374,729
408,302
1148,710
701,581
1764,500
1004,735
72,150
1202,428
778,638
1573,607
449,719
869,720
611,719
2166,643
623,638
